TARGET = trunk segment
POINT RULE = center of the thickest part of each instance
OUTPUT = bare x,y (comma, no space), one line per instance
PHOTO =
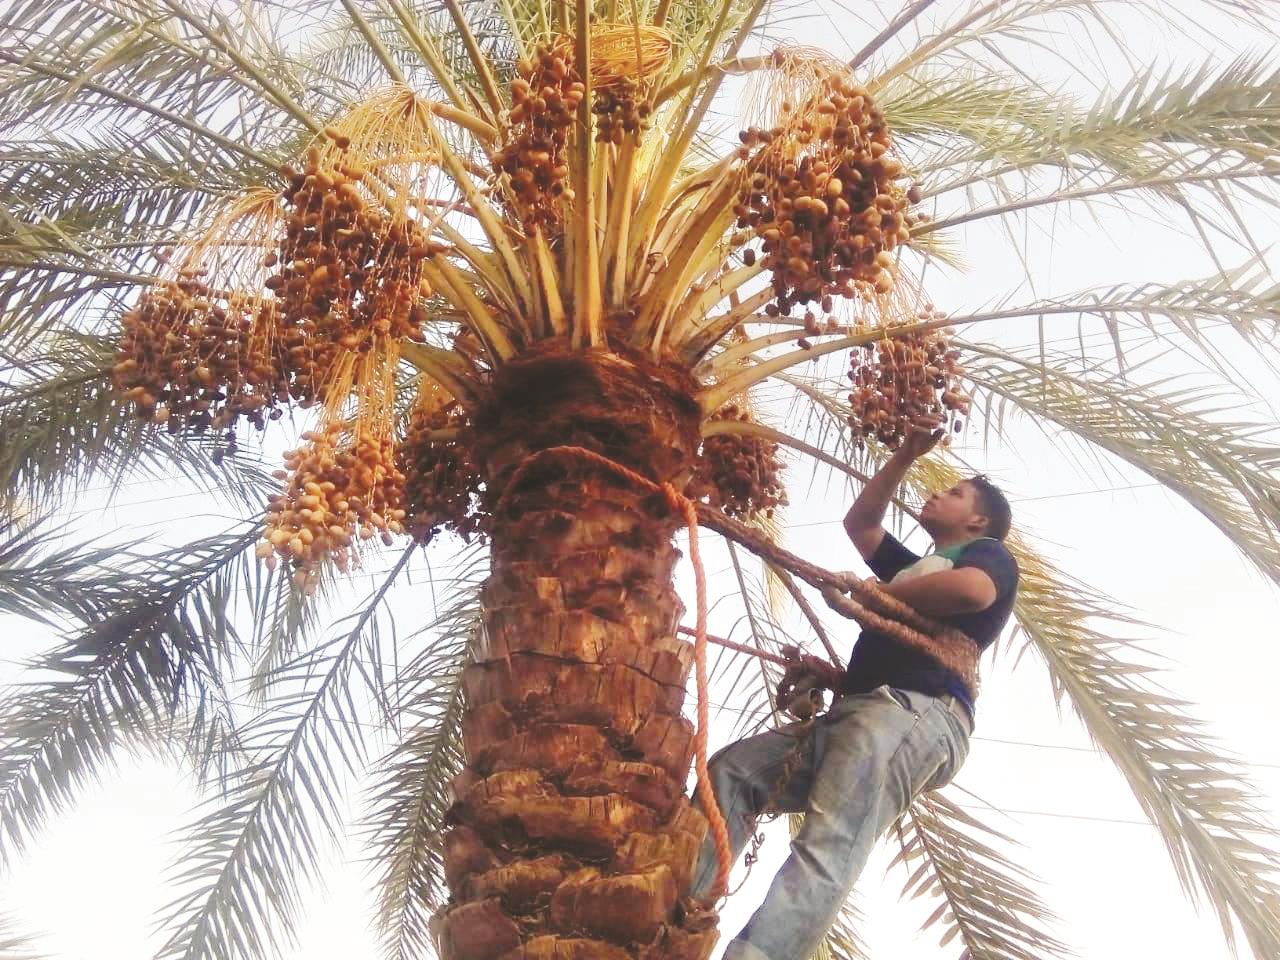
571,836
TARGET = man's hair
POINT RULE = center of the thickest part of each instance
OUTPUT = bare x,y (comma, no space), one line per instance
992,505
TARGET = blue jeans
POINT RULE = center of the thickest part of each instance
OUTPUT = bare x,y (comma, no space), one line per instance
864,762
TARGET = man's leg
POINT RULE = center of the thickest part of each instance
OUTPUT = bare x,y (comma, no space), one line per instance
874,755
746,777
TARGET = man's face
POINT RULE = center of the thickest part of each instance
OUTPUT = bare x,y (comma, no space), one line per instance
953,510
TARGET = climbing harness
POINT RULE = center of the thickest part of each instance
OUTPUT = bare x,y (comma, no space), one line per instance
873,609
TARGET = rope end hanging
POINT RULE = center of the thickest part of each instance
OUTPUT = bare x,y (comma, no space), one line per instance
706,792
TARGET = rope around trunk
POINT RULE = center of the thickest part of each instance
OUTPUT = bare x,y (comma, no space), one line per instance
874,609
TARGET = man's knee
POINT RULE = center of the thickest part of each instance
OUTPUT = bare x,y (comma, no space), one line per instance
724,775
726,763
734,781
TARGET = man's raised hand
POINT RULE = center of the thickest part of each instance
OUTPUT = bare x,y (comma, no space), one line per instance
923,436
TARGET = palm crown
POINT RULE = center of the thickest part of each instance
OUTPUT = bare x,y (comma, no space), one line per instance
463,232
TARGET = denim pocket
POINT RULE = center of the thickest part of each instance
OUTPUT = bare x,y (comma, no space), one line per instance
900,697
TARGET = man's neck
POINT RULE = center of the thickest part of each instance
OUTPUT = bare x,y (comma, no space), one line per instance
951,540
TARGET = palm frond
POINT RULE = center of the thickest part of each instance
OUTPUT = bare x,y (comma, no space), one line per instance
1189,437
990,26
1198,143
14,943
1196,795
259,842
1246,298
150,655
842,941
750,681
64,423
284,624
983,897
411,796
143,47
1159,123
47,584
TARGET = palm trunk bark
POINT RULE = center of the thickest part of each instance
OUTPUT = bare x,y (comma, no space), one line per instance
572,836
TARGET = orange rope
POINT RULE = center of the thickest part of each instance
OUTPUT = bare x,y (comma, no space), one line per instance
706,792
688,509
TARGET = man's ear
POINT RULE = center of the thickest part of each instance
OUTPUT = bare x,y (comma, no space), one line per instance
978,525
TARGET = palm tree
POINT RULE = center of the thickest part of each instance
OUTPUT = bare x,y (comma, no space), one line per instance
452,232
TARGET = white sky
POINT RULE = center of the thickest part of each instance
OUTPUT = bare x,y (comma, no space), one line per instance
93,886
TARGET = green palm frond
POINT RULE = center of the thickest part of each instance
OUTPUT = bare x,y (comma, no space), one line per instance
14,943
284,625
63,423
983,897
141,46
1188,437
258,843
1159,124
47,584
1196,795
1197,142
411,796
981,25
150,654
1246,298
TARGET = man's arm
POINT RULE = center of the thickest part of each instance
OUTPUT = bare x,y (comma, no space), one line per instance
947,592
864,521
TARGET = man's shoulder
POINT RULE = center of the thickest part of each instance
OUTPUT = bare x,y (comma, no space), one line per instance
989,552
986,545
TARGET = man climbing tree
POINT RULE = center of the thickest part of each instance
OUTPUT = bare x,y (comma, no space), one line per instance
901,719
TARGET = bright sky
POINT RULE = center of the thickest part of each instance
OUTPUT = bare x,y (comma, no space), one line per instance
93,885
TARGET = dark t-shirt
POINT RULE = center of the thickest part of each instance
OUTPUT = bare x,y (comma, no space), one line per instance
879,659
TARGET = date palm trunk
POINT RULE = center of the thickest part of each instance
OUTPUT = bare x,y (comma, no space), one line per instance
572,837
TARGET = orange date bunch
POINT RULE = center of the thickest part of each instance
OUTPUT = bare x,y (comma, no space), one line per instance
442,483
823,197
738,473
341,487
620,110
189,358
899,379
533,163
348,271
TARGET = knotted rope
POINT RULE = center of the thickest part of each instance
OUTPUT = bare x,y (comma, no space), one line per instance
874,609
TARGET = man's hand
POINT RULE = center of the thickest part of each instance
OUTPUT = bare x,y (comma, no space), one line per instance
799,692
923,436
822,672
